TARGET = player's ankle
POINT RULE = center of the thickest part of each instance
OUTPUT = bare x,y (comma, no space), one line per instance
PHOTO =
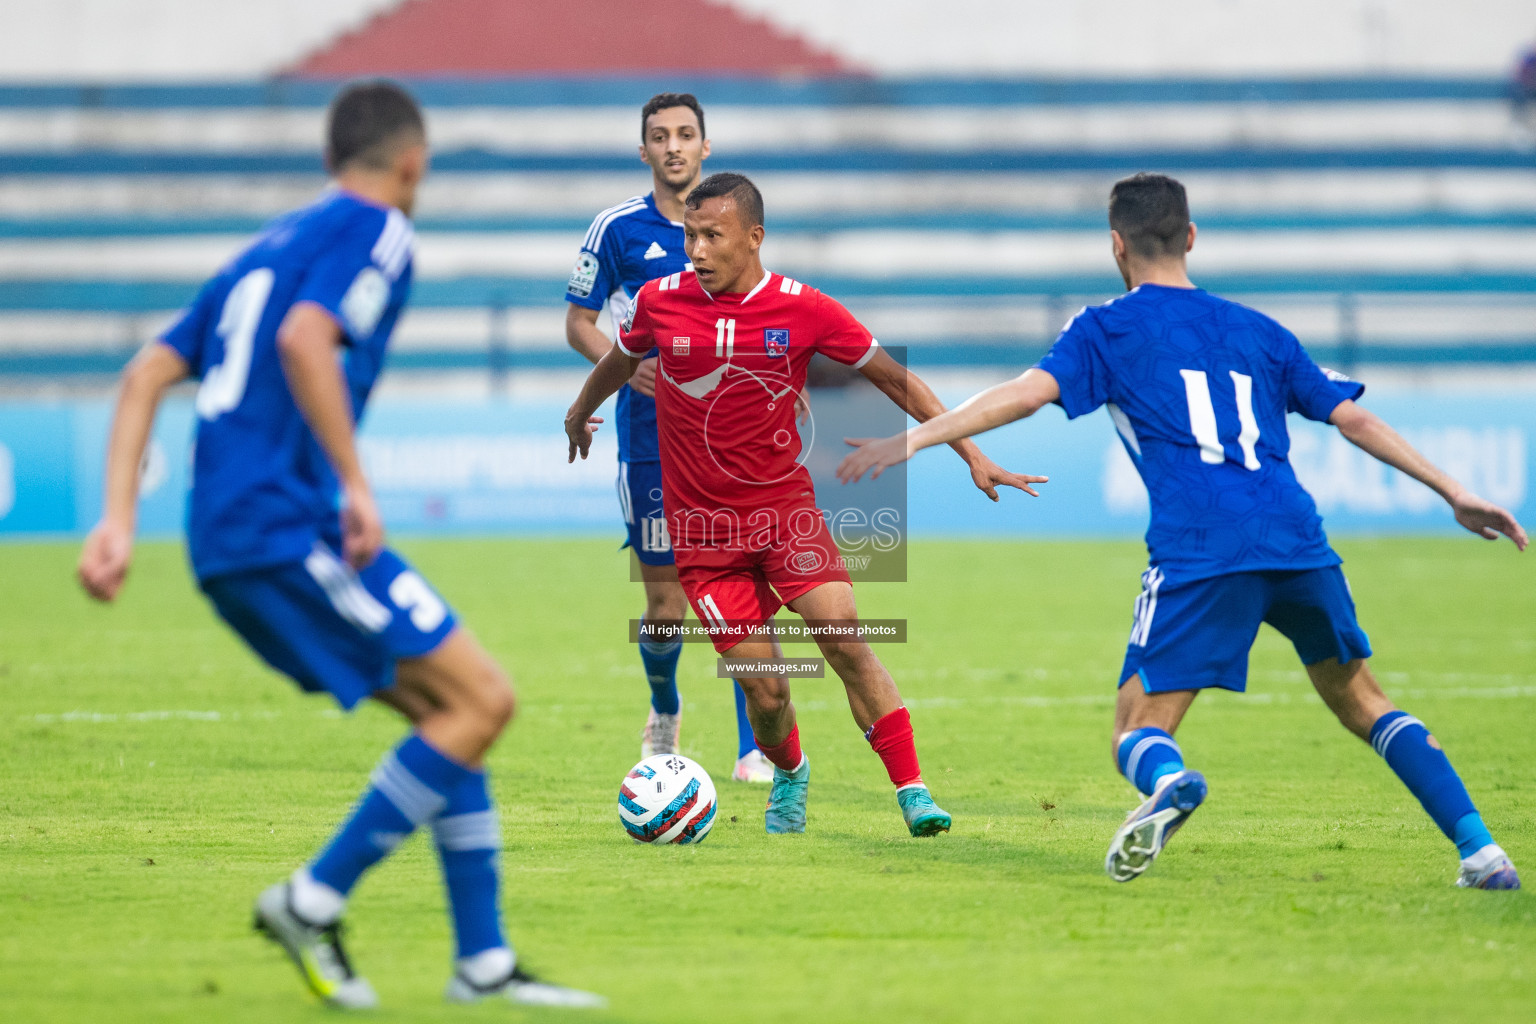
314,901
1482,858
487,967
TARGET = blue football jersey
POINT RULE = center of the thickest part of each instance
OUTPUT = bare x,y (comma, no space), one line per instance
262,489
628,245
1198,388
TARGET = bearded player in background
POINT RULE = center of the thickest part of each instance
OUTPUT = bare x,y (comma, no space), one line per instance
627,245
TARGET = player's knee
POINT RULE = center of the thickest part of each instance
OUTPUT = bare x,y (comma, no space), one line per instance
848,659
665,606
767,694
495,700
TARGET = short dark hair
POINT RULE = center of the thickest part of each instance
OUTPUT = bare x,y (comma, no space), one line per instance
667,100
367,121
749,201
1151,213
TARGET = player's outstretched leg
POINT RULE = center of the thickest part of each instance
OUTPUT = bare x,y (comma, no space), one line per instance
303,915
458,702
1151,760
772,715
1350,690
459,695
876,705
665,606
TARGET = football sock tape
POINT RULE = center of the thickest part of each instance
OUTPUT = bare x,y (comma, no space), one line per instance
1146,755
1410,751
409,787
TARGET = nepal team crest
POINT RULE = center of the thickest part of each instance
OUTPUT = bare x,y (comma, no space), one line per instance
775,342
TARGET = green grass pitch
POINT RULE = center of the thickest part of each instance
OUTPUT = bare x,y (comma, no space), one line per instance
155,777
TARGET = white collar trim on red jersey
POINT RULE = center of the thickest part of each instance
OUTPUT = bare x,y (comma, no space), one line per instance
767,276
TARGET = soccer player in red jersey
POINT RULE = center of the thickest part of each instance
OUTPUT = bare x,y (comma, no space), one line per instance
735,341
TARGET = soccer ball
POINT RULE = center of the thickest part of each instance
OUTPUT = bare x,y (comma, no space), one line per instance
667,798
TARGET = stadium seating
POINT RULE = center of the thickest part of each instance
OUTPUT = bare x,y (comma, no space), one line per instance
1386,221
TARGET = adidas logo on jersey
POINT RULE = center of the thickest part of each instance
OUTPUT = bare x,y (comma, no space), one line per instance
655,252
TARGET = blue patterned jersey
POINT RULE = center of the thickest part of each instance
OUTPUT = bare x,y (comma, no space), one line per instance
1198,388
627,245
262,489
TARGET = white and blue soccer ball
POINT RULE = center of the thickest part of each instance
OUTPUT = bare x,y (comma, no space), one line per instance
667,798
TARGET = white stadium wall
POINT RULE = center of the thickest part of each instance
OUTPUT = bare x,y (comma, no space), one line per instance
235,39
130,40
1173,37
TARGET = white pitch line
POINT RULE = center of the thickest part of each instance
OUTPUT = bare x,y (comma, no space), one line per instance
1509,692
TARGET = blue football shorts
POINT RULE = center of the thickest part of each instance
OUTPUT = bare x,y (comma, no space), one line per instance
330,628
1196,635
646,522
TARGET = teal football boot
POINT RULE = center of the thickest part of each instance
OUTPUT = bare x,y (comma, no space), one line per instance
786,800
924,817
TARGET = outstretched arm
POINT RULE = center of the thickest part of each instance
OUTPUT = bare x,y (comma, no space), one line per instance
917,399
1371,434
606,377
306,344
1000,404
108,549
583,335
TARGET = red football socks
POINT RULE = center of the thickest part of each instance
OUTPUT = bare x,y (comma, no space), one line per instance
787,754
891,737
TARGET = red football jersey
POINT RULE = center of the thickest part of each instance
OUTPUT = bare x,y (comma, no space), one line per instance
731,368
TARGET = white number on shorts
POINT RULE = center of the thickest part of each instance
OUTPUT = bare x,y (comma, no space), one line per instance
725,338
411,593
1202,417
224,385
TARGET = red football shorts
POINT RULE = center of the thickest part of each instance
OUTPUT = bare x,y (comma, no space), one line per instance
735,590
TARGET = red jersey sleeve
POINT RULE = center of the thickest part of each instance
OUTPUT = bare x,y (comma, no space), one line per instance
635,332
839,336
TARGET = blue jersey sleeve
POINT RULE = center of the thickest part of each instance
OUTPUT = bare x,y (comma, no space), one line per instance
596,274
192,326
353,278
1077,362
1311,390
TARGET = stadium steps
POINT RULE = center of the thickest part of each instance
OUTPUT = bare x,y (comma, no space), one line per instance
1387,220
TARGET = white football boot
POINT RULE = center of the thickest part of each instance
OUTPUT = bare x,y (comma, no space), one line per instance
315,949
753,766
660,735
521,987
1149,827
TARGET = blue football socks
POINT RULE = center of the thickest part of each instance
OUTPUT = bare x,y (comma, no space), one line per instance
410,786
469,847
1147,755
660,658
1408,748
745,741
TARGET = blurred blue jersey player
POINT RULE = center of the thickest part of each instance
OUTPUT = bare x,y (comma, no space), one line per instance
1198,389
627,245
285,539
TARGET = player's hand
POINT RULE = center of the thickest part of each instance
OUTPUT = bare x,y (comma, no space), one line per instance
1486,519
802,408
362,528
872,456
644,378
988,476
579,431
104,560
